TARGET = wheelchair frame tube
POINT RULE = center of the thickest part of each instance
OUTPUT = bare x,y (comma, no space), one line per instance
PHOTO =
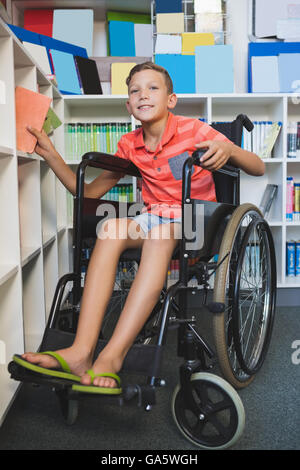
77,236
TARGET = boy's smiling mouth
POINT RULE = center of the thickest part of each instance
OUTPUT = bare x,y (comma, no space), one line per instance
145,107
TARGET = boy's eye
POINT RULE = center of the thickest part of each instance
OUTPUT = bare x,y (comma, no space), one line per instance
133,91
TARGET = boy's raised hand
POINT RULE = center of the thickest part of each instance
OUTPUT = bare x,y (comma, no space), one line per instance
44,146
217,154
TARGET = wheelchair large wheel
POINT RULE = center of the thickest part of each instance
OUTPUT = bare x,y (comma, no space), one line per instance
246,283
217,419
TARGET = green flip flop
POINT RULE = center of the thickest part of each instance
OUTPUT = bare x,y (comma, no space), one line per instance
100,390
64,373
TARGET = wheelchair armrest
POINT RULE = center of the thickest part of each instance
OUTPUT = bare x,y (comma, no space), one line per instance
226,169
111,162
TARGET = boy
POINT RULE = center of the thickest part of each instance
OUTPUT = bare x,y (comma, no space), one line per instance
159,149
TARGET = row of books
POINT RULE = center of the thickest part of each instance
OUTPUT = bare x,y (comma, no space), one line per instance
120,193
293,258
293,139
93,137
292,200
262,139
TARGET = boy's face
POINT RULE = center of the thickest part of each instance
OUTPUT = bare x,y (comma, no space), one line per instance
149,100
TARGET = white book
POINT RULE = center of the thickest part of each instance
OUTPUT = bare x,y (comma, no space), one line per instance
143,40
168,44
288,28
39,54
265,74
207,6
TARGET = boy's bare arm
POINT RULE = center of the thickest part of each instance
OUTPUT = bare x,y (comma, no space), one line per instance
219,152
96,189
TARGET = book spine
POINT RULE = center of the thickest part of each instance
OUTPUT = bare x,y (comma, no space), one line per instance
289,198
297,202
290,258
298,141
292,140
297,259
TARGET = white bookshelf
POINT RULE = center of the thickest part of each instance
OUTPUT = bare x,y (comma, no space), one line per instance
35,237
33,242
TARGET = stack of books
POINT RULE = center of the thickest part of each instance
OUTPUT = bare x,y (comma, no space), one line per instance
262,139
93,137
293,258
292,200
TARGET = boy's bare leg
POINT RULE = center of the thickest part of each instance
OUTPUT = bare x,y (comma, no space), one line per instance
99,284
143,295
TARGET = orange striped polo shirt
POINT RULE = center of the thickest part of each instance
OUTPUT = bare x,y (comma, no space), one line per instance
161,170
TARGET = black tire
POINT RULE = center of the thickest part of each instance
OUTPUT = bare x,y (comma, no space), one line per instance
231,288
219,418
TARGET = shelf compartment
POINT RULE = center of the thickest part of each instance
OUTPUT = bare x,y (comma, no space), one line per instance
29,208
33,302
7,108
9,215
273,175
11,336
50,273
48,202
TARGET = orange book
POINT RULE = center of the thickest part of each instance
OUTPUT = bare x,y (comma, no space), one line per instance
31,110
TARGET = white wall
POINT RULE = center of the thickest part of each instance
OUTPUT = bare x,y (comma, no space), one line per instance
238,20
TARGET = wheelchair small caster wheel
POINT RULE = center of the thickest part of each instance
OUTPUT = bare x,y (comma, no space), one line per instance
69,407
218,420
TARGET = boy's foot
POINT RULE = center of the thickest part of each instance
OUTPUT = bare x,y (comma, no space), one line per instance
77,362
101,366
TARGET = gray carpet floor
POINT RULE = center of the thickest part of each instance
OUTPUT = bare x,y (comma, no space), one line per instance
272,406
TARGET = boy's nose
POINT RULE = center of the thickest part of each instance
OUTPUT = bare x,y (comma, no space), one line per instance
144,94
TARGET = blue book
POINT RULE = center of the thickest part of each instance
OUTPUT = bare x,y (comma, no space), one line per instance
168,6
181,69
57,45
290,258
214,69
297,269
121,38
267,49
66,73
25,35
289,72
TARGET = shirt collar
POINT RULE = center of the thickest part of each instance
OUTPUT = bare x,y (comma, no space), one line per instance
169,132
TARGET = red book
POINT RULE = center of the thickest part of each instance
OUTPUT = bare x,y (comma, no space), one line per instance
31,110
39,21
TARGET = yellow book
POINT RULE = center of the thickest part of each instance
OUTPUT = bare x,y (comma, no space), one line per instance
191,40
119,73
170,23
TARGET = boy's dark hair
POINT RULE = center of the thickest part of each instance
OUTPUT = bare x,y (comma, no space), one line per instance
151,66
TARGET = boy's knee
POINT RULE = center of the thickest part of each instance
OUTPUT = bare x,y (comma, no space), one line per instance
113,229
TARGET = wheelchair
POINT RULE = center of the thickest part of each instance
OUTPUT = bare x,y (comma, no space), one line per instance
235,253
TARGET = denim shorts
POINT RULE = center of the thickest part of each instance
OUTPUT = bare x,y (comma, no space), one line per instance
147,220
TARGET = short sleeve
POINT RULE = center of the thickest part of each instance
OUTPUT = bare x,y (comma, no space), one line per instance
203,131
123,149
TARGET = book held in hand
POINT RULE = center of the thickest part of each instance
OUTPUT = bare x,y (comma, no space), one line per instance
31,110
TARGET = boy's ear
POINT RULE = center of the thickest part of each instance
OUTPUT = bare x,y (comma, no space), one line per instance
128,107
172,101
